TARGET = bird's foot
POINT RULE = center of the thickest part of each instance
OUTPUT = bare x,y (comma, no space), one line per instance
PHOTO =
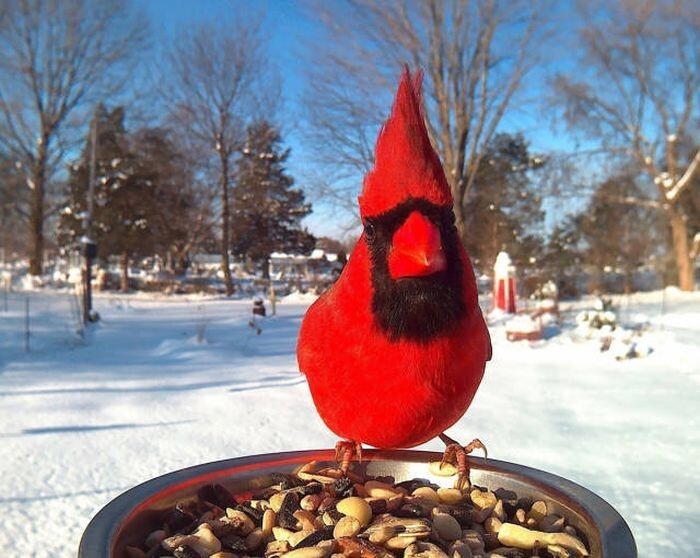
456,454
345,450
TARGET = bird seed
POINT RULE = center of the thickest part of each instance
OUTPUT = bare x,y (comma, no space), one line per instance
317,514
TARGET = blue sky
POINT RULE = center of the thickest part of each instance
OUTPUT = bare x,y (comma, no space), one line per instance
284,22
288,24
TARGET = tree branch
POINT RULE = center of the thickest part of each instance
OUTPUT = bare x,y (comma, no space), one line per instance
685,180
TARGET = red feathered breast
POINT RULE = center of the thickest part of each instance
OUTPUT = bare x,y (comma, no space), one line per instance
382,393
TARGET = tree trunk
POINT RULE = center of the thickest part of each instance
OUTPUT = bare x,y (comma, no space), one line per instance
627,287
679,235
225,218
125,272
182,263
595,280
459,222
36,215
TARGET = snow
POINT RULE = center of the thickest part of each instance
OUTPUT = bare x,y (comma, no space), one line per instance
316,254
297,297
283,256
503,267
167,382
522,324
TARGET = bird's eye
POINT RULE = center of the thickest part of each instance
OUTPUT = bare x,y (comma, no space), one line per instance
370,232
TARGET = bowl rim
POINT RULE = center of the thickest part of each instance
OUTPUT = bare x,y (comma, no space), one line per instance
617,540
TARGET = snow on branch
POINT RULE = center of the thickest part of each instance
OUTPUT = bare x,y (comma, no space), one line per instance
673,192
695,250
632,200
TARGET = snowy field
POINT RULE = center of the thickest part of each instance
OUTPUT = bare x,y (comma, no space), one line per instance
165,383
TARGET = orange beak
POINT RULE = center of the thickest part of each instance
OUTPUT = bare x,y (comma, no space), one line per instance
416,248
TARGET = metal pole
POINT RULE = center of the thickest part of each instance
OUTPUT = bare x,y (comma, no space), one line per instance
87,291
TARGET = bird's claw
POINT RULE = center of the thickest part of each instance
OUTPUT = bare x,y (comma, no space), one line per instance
345,450
456,454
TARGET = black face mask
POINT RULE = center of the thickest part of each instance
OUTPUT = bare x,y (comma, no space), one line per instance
415,308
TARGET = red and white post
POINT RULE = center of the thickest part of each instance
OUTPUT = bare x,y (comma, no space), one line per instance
504,296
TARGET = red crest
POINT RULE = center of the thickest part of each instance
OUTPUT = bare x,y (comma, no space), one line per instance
405,163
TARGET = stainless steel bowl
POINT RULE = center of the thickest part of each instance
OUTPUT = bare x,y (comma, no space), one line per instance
129,518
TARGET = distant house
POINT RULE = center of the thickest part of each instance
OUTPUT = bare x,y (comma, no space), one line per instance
319,267
285,266
212,263
318,263
206,259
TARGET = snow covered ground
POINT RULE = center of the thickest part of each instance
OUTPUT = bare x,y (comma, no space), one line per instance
164,383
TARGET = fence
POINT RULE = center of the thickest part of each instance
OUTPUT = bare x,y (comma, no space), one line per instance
38,322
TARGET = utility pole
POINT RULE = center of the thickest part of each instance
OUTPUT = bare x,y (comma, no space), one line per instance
89,246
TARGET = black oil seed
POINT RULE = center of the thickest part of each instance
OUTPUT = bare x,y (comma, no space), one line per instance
316,537
344,488
235,543
313,487
250,511
185,551
410,510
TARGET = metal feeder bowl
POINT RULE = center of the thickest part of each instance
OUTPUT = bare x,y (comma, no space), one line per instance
130,517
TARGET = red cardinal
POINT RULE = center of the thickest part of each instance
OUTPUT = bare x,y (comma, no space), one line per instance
395,351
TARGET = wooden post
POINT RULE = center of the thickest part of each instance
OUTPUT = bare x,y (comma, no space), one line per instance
273,295
273,298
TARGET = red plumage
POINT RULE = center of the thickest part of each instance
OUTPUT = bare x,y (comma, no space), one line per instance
391,360
405,162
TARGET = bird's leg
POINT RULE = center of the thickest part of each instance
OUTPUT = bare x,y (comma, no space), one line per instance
455,452
345,450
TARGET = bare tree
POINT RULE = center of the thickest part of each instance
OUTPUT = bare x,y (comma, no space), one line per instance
636,92
59,58
618,235
219,80
475,53
12,194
